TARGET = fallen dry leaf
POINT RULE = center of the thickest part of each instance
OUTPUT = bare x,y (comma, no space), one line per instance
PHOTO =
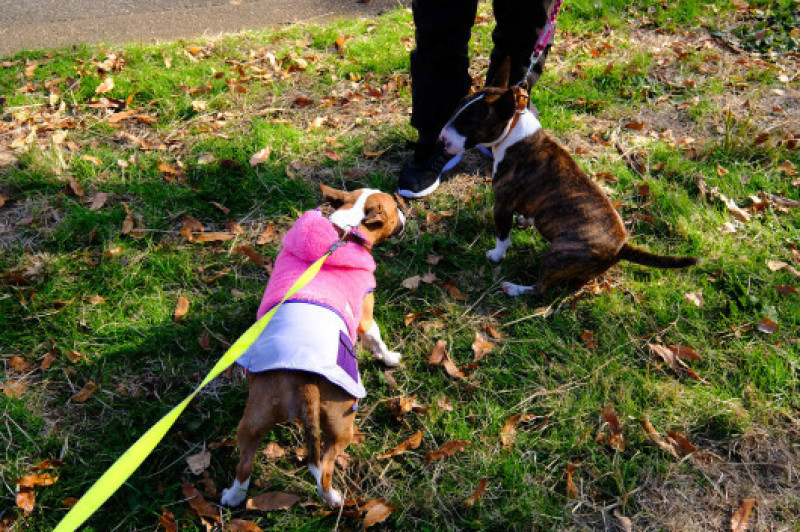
480,489
767,326
614,438
671,358
788,168
588,339
438,354
74,187
572,489
213,237
453,291
26,499
786,289
683,445
19,364
624,522
191,227
684,351
377,512
481,346
167,520
199,504
199,462
260,156
273,451
95,299
181,308
85,393
447,449
695,298
251,254
243,525
14,389
106,86
69,502
74,356
271,501
412,283
37,479
656,438
266,236
97,201
509,430
411,443
433,259
742,515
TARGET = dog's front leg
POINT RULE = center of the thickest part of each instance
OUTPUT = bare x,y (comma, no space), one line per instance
370,334
503,219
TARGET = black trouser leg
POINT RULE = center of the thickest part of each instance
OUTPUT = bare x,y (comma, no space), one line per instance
516,33
439,63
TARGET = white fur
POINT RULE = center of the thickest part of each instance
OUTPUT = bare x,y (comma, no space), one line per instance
499,251
234,495
332,497
526,126
373,342
515,290
347,219
453,141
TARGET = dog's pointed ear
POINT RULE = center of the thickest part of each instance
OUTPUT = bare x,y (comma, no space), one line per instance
499,74
506,105
335,197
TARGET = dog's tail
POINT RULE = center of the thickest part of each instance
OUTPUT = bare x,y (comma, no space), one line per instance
640,256
309,417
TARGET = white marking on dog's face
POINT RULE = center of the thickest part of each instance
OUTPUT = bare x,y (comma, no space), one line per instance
454,143
350,218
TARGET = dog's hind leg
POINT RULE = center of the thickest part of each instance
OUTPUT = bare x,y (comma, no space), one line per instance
337,429
572,264
255,422
503,220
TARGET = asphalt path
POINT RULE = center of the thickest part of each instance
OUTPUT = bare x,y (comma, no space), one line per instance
34,24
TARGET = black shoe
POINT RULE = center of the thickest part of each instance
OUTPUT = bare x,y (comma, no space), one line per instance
420,176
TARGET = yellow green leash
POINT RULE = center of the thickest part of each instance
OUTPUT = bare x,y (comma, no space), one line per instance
126,464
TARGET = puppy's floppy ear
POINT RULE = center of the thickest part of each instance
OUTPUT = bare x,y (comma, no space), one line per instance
335,197
498,74
374,216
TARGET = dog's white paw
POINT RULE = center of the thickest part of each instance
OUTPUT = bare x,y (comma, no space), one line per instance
390,358
332,497
233,496
496,254
515,290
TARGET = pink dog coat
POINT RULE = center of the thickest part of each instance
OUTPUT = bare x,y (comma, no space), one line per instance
310,337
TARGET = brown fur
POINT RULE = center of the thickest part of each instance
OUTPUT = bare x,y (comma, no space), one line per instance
538,178
324,409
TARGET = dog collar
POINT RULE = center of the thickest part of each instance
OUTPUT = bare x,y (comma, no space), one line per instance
520,107
352,235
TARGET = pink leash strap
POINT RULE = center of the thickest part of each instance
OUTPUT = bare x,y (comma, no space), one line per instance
544,39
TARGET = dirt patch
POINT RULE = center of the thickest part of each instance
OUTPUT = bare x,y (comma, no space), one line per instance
763,464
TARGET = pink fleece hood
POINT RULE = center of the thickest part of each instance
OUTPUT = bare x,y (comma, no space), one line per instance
345,278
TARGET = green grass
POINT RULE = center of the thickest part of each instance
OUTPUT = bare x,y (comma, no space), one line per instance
145,362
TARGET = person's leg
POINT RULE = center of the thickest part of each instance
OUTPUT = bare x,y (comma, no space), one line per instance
517,30
439,79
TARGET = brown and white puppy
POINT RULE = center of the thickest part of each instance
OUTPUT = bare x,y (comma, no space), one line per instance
281,395
535,176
